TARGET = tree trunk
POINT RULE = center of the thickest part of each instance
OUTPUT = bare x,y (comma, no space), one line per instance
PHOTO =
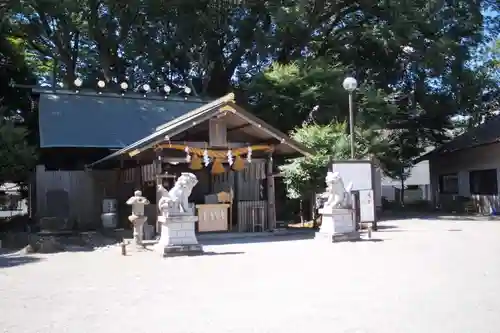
54,73
313,210
219,82
301,212
402,193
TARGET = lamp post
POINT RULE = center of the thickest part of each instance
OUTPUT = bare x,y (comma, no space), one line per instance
350,84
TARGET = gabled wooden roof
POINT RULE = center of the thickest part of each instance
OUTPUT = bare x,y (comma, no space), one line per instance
201,114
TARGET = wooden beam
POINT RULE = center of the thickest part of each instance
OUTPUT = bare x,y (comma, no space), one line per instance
232,129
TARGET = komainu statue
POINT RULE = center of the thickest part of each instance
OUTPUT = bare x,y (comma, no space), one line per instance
336,194
176,199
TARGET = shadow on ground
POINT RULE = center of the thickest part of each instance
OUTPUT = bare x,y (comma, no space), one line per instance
212,253
383,227
14,260
371,240
409,215
256,239
389,228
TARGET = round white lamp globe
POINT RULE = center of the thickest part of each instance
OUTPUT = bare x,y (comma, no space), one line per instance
124,85
408,49
146,87
350,84
101,84
187,90
78,82
167,89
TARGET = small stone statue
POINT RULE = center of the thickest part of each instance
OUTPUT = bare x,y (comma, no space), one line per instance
336,194
176,200
138,218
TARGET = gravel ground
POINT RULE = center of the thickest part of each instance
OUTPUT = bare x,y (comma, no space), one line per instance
422,276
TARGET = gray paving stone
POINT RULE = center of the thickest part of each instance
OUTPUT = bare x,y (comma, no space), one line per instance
418,277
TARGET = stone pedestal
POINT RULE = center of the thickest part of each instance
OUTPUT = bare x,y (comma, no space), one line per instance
178,235
138,223
337,225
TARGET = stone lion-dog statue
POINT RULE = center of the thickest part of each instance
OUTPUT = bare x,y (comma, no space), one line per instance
176,199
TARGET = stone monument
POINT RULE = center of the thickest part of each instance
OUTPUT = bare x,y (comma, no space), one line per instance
177,218
137,201
337,215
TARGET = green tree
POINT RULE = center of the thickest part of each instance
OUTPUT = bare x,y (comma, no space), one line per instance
17,121
288,95
304,176
17,156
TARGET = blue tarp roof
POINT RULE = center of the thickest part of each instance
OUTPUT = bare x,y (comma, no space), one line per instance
104,121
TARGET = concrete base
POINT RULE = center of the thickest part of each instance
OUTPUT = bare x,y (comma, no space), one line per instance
178,236
337,225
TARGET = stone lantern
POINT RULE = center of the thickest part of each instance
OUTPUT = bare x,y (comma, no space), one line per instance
137,201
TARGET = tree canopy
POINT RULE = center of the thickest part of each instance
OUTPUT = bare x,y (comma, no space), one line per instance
416,61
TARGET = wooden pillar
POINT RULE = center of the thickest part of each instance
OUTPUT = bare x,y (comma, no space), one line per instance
138,177
271,204
236,199
119,190
157,163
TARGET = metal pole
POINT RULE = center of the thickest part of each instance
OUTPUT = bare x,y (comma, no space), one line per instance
351,124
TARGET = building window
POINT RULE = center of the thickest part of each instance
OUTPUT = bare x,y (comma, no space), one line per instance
448,184
483,182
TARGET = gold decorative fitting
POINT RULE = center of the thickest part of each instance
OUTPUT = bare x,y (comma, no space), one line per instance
229,98
134,152
227,108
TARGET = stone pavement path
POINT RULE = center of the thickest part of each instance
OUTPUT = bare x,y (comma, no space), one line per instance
419,277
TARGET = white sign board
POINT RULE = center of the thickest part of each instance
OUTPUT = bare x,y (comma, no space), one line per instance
357,172
366,206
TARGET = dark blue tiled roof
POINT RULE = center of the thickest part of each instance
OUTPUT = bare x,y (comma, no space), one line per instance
103,121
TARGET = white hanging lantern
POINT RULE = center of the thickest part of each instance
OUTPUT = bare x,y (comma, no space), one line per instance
249,154
230,159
